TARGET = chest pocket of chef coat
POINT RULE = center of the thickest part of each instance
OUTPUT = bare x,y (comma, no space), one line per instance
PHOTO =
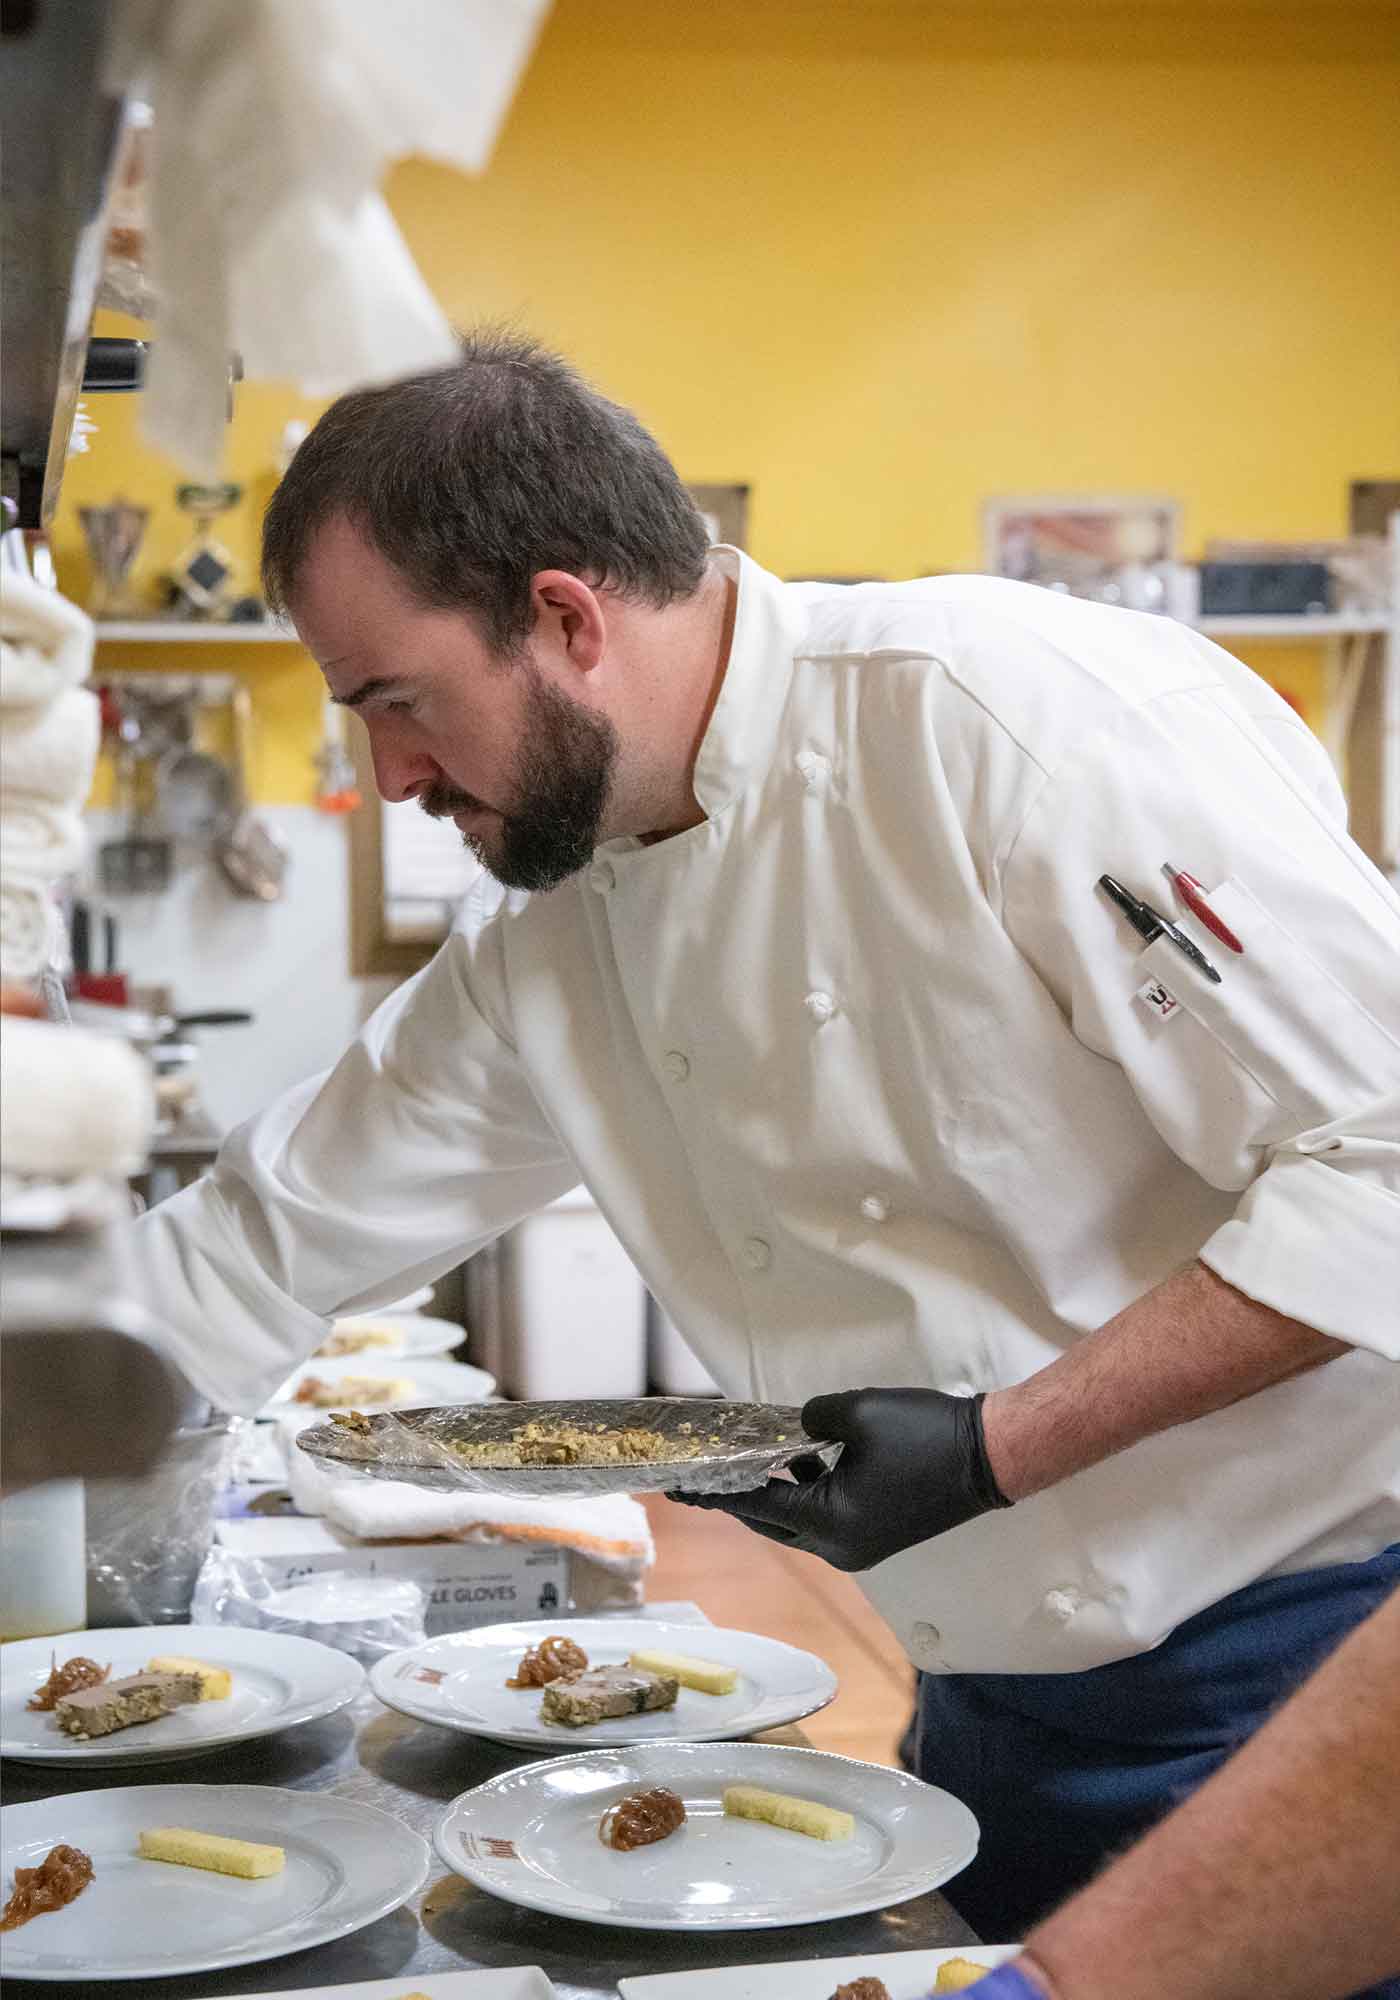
1278,1047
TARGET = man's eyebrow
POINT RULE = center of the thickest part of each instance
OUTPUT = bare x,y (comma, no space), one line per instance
366,691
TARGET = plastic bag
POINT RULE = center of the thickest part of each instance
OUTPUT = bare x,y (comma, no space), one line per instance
367,1617
147,1537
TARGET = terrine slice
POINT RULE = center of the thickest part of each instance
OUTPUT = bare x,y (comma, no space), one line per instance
601,1692
97,1711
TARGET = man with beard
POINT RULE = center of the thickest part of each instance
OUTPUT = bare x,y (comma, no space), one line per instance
797,954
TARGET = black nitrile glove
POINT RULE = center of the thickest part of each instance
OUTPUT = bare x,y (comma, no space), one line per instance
913,1465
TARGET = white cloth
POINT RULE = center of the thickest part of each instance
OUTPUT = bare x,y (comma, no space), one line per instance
71,1103
856,1071
39,839
30,926
610,1529
49,752
45,643
278,247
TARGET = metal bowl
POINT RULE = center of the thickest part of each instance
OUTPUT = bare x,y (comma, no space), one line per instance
740,1445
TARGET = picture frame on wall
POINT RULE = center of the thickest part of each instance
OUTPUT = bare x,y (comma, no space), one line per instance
1082,543
726,512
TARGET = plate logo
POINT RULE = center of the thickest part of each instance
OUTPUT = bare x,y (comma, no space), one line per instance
431,1676
481,1847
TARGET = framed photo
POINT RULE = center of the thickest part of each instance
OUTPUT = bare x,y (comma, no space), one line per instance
726,511
1078,542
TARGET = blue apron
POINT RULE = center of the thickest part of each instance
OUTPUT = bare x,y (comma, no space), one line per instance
1063,1770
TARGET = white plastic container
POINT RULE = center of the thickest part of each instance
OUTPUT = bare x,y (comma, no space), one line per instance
673,1368
567,1310
43,1561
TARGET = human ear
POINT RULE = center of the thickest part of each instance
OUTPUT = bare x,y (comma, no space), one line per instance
568,619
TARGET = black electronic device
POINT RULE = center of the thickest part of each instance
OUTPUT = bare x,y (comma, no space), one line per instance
1265,589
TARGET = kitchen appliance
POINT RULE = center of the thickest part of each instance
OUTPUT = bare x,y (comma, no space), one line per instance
1265,589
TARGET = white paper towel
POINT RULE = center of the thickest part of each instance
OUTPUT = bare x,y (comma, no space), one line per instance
273,125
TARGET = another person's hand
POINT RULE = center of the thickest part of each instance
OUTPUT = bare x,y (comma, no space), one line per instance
913,1465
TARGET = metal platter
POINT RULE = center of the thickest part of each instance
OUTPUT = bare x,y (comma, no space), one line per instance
721,1447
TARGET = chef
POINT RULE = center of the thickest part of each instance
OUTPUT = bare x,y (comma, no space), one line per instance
827,940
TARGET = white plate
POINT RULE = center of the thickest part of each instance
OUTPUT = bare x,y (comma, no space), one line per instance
278,1681
347,1864
531,1836
506,1982
416,1333
411,1302
435,1381
909,1975
459,1681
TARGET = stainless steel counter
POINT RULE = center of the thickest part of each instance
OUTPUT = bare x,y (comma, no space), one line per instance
412,1770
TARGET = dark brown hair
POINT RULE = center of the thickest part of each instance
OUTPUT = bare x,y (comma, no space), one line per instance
473,478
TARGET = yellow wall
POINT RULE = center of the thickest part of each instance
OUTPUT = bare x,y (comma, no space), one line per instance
879,264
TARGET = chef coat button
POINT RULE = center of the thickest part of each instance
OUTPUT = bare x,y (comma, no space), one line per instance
820,1006
875,1208
675,1065
814,768
602,877
758,1255
1062,1604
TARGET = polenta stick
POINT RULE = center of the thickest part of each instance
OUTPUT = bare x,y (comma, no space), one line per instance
181,1844
707,1676
797,1815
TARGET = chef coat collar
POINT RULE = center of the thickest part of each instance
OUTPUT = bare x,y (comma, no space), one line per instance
738,741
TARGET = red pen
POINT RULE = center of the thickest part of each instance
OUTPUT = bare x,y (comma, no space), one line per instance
1194,897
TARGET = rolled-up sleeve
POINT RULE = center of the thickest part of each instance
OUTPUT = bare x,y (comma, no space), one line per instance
1282,1080
423,1144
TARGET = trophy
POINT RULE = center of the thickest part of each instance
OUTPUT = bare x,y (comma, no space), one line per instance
201,577
113,536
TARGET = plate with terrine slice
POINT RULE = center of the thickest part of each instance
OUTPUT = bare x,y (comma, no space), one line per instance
561,1450
747,1836
905,1975
192,1878
145,1693
604,1681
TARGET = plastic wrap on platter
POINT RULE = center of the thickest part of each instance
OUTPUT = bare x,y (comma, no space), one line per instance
648,1444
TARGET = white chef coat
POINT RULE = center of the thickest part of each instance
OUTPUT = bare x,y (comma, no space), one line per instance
859,1071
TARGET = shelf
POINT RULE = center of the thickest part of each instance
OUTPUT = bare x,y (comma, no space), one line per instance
1329,625
170,631
166,631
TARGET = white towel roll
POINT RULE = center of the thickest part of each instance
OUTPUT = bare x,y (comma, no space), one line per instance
45,643
29,927
40,840
70,1102
49,752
